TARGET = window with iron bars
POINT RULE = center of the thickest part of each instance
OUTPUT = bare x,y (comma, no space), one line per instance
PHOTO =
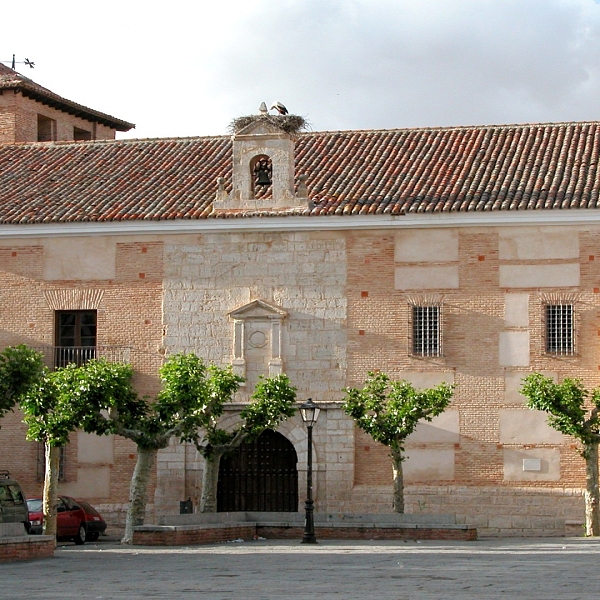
560,329
41,462
426,331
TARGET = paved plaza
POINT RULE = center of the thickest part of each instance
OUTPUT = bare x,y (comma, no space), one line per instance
523,569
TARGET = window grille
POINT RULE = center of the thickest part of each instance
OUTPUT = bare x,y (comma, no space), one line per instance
560,332
426,330
41,462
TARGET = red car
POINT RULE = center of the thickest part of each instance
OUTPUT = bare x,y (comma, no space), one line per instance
75,519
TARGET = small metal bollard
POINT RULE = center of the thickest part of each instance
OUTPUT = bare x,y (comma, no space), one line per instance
186,507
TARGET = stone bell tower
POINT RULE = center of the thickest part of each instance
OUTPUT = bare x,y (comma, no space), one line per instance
263,166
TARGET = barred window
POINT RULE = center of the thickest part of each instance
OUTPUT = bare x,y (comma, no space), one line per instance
426,331
560,333
41,462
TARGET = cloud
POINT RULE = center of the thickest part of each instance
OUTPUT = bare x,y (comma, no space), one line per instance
188,68
369,64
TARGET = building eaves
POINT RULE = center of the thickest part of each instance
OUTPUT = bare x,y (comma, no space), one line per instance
12,81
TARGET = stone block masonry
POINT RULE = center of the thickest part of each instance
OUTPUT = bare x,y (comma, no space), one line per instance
207,281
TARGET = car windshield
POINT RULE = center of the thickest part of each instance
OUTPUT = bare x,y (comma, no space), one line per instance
35,505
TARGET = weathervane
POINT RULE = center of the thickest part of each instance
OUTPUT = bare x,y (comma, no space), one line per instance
27,62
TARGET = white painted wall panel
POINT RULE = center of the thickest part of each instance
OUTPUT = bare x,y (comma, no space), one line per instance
427,245
526,427
94,449
514,348
539,276
549,464
516,310
534,243
79,258
442,429
427,278
429,464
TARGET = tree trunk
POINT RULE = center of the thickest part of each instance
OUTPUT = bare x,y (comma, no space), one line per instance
398,481
138,492
592,496
210,480
52,456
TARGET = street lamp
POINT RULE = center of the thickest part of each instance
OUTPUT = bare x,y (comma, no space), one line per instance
310,413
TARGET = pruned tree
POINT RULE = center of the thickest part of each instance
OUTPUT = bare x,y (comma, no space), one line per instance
271,403
572,410
20,368
190,391
63,401
389,412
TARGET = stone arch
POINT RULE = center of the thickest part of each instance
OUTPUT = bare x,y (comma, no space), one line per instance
295,432
260,476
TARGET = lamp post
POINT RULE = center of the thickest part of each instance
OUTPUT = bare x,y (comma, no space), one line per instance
310,413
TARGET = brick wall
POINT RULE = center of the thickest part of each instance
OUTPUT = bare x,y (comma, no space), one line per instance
28,548
474,318
348,302
129,314
19,121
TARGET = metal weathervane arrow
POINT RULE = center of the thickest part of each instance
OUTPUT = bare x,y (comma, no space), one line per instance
14,62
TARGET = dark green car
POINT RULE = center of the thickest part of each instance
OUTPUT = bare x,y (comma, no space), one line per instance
13,508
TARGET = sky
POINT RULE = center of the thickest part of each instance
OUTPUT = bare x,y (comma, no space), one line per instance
187,68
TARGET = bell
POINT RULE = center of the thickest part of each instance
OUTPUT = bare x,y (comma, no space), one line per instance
263,177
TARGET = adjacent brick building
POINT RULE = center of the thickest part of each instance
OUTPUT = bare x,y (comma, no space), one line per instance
465,255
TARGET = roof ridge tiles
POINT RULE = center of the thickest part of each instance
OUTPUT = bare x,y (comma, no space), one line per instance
458,127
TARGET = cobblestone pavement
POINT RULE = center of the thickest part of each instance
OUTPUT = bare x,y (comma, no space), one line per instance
523,569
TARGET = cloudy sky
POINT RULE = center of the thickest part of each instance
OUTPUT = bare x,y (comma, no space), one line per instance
186,68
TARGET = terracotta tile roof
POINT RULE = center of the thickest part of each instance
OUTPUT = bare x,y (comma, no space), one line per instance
11,80
514,167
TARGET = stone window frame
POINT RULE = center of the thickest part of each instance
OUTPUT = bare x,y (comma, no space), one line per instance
258,310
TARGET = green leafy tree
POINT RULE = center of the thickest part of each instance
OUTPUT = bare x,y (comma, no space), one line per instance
190,391
20,368
573,411
389,412
271,403
65,400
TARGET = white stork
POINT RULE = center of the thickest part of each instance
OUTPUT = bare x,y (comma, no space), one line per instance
280,108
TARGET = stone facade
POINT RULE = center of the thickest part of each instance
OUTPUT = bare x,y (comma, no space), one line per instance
339,304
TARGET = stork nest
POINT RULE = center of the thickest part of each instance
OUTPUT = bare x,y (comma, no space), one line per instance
289,123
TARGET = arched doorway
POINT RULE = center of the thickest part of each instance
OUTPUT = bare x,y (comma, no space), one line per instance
259,476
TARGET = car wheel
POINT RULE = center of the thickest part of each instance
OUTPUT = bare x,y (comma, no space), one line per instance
92,537
81,535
